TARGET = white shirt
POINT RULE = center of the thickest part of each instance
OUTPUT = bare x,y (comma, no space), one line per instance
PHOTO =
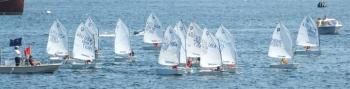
18,53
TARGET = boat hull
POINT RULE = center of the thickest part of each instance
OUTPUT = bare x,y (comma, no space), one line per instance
11,7
284,66
329,30
43,68
169,72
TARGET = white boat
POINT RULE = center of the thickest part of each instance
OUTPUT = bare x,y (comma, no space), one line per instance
328,25
57,44
227,48
169,53
193,40
43,68
122,42
281,46
308,37
153,30
211,59
179,30
84,46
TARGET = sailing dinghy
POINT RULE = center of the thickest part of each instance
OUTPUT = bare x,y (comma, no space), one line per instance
308,37
170,53
152,32
122,42
281,47
227,48
193,43
84,48
57,44
211,60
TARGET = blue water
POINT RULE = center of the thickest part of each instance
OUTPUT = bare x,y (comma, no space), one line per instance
251,22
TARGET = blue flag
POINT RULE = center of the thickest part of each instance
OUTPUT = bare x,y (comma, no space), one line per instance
16,42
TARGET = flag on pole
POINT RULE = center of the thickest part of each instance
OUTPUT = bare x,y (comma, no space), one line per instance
16,42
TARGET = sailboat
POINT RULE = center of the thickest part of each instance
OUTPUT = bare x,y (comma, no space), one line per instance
281,47
179,30
170,53
84,47
153,31
89,23
211,59
308,36
193,42
57,44
122,43
227,48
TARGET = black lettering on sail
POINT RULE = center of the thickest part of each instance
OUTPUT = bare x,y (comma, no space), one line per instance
276,43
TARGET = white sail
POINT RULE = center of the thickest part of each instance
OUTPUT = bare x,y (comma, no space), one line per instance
92,26
121,42
57,44
227,47
308,33
152,30
281,45
210,51
193,40
179,30
84,47
170,51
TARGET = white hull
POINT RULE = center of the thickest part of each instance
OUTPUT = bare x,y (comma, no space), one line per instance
169,72
284,66
43,68
75,65
307,52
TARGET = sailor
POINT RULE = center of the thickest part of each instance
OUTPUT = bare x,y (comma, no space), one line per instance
174,67
131,54
188,63
231,65
18,56
156,45
307,48
217,68
27,53
284,61
88,61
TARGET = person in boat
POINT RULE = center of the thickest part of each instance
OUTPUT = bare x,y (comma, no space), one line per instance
131,54
231,65
284,61
33,62
18,55
217,68
156,45
188,63
27,53
88,61
307,48
174,67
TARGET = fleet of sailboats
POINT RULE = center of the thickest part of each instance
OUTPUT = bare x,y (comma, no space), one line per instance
180,45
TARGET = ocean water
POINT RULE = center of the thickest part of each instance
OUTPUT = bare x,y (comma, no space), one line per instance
250,21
